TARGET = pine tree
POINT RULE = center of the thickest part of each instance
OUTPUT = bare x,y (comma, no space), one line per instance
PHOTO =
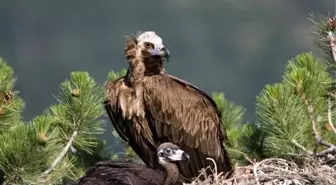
297,113
51,148
290,111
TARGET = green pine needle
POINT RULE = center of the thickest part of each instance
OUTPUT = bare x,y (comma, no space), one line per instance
282,110
21,155
115,75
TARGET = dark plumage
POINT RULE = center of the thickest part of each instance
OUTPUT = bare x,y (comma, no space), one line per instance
148,106
126,173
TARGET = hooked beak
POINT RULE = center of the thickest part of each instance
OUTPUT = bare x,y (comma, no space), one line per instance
185,156
161,51
179,155
164,52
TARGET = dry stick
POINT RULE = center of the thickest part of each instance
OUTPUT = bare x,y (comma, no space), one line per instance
62,154
327,151
269,176
332,40
330,117
292,174
215,166
245,156
202,172
255,167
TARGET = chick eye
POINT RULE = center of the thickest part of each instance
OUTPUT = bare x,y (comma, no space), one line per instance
168,151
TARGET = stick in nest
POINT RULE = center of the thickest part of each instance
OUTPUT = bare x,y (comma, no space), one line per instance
215,169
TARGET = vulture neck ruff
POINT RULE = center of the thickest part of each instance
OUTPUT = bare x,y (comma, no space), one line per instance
141,63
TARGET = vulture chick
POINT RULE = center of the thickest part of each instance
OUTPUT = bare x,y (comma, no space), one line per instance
126,173
148,107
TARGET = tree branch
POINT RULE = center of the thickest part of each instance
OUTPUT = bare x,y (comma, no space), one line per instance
327,151
62,154
294,142
330,117
315,133
245,156
332,39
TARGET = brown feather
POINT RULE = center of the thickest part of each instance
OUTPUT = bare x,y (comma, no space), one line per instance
132,129
192,116
148,107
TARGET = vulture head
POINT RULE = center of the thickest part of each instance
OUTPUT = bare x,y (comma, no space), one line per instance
168,152
147,44
151,45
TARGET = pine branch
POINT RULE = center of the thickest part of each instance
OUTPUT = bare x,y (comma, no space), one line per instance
11,105
315,133
331,38
62,154
322,26
330,117
294,142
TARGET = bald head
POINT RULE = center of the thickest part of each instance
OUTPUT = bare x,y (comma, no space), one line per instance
150,44
169,152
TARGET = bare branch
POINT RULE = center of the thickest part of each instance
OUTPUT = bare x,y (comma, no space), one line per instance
62,154
255,173
215,168
315,133
327,151
332,39
330,117
245,156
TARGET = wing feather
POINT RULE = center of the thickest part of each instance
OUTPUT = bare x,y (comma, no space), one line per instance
135,130
191,115
185,115
111,106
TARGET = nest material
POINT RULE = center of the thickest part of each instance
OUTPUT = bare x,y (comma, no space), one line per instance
276,171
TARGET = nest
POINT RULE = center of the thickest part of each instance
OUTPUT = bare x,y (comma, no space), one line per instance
275,171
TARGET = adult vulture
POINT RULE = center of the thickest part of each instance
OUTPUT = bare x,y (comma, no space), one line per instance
148,107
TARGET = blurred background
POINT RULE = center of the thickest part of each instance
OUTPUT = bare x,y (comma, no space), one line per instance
230,46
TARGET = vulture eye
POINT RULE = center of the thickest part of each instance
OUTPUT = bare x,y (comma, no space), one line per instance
148,45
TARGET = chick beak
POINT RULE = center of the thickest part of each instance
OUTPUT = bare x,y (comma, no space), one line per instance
185,156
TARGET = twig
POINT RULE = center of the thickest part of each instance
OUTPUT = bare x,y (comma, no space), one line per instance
62,154
332,95
201,173
327,151
245,156
330,117
332,39
315,133
255,173
294,142
268,176
215,167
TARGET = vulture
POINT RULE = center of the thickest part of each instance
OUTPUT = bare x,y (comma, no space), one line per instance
126,173
148,106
